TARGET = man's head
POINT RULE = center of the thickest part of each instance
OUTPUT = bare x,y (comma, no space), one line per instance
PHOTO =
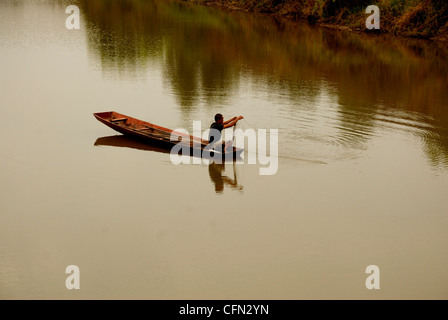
219,118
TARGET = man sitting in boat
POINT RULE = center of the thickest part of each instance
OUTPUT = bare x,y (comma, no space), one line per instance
217,127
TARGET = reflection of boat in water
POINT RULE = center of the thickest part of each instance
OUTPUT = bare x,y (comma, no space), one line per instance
126,142
215,170
163,137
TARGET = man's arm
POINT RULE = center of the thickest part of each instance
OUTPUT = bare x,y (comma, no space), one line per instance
228,121
232,122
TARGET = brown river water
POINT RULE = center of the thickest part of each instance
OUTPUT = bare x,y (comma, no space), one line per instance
361,178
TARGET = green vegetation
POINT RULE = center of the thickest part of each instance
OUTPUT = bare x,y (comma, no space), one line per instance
412,18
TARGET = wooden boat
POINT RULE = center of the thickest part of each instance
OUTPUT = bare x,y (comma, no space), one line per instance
163,137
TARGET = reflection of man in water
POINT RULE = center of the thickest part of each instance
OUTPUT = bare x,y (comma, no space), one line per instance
215,171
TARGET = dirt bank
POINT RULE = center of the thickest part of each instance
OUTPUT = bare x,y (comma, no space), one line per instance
427,19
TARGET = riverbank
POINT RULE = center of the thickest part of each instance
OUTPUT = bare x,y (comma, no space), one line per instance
426,19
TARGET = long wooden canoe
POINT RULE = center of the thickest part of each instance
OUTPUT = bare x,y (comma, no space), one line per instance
161,136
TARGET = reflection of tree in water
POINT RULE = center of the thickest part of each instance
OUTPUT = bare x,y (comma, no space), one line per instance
216,170
204,53
128,34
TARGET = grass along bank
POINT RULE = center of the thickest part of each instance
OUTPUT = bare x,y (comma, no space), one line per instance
410,18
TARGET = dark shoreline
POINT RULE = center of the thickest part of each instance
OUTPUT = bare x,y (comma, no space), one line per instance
357,24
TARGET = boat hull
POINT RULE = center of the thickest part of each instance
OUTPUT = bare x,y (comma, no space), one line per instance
163,137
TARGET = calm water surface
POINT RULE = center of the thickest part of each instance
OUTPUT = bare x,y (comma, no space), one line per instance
363,157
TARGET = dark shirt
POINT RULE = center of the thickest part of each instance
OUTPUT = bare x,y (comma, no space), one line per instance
215,132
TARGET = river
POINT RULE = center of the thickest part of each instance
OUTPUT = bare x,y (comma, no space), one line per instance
361,178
